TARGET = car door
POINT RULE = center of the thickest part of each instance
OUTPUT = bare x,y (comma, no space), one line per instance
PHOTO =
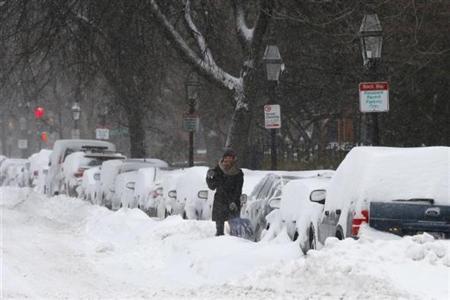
328,223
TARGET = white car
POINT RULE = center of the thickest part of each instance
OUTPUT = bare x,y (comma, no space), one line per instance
61,149
111,169
267,194
147,192
124,189
89,185
13,172
193,194
300,210
165,190
39,168
77,163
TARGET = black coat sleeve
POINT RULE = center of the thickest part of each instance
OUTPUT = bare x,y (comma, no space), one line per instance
238,189
213,181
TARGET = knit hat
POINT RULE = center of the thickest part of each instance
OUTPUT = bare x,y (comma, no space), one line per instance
229,152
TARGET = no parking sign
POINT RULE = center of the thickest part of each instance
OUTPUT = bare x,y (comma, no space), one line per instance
272,116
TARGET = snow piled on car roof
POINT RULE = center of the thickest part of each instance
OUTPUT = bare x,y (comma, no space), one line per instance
386,174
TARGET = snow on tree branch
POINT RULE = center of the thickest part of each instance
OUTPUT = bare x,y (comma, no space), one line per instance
201,42
244,32
206,65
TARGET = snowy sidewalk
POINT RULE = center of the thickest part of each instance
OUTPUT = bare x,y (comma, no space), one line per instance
63,247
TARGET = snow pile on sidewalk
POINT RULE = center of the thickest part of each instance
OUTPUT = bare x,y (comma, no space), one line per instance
63,247
377,266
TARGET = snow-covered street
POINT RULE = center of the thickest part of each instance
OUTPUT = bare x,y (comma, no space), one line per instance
64,247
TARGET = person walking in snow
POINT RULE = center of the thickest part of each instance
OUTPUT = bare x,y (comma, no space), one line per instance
227,179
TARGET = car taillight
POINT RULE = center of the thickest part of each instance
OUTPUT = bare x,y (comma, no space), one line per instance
156,193
359,219
79,173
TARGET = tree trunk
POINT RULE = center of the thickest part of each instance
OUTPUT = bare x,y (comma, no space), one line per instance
136,132
239,130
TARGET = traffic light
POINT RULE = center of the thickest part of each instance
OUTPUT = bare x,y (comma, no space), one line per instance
44,136
39,112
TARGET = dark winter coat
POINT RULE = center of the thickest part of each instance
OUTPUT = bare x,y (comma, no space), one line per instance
228,186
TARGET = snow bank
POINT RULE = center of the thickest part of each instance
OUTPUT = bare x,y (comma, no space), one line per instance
63,247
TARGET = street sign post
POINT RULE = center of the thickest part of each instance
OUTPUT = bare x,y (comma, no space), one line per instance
373,97
190,122
75,134
272,116
22,144
102,134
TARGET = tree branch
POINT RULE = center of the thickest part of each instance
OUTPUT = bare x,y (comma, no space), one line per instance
245,34
209,70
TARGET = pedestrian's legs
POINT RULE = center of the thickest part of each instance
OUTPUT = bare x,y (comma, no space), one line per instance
219,227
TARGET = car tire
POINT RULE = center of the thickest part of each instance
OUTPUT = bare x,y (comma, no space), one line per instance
258,232
184,215
339,234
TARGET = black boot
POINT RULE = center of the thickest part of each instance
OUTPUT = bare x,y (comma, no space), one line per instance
219,228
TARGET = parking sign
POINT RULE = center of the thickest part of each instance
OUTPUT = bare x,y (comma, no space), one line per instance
272,116
373,97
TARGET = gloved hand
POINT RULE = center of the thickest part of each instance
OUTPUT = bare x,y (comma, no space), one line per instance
233,206
211,173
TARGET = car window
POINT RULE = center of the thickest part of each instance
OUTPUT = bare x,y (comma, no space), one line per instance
275,189
266,188
258,187
67,152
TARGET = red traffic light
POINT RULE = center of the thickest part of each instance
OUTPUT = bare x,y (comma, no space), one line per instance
44,136
39,112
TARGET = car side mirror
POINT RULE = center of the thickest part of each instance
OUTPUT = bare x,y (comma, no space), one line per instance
274,203
203,194
172,194
130,185
318,196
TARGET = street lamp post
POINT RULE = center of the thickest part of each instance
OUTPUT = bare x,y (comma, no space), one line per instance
23,142
274,66
76,112
371,38
192,87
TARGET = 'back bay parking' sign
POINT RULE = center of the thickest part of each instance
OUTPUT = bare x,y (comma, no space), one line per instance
373,97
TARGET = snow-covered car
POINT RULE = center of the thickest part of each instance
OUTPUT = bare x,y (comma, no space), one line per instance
39,168
193,194
147,192
251,180
13,172
300,209
109,172
61,149
166,192
89,185
124,189
266,196
399,190
78,162
105,189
